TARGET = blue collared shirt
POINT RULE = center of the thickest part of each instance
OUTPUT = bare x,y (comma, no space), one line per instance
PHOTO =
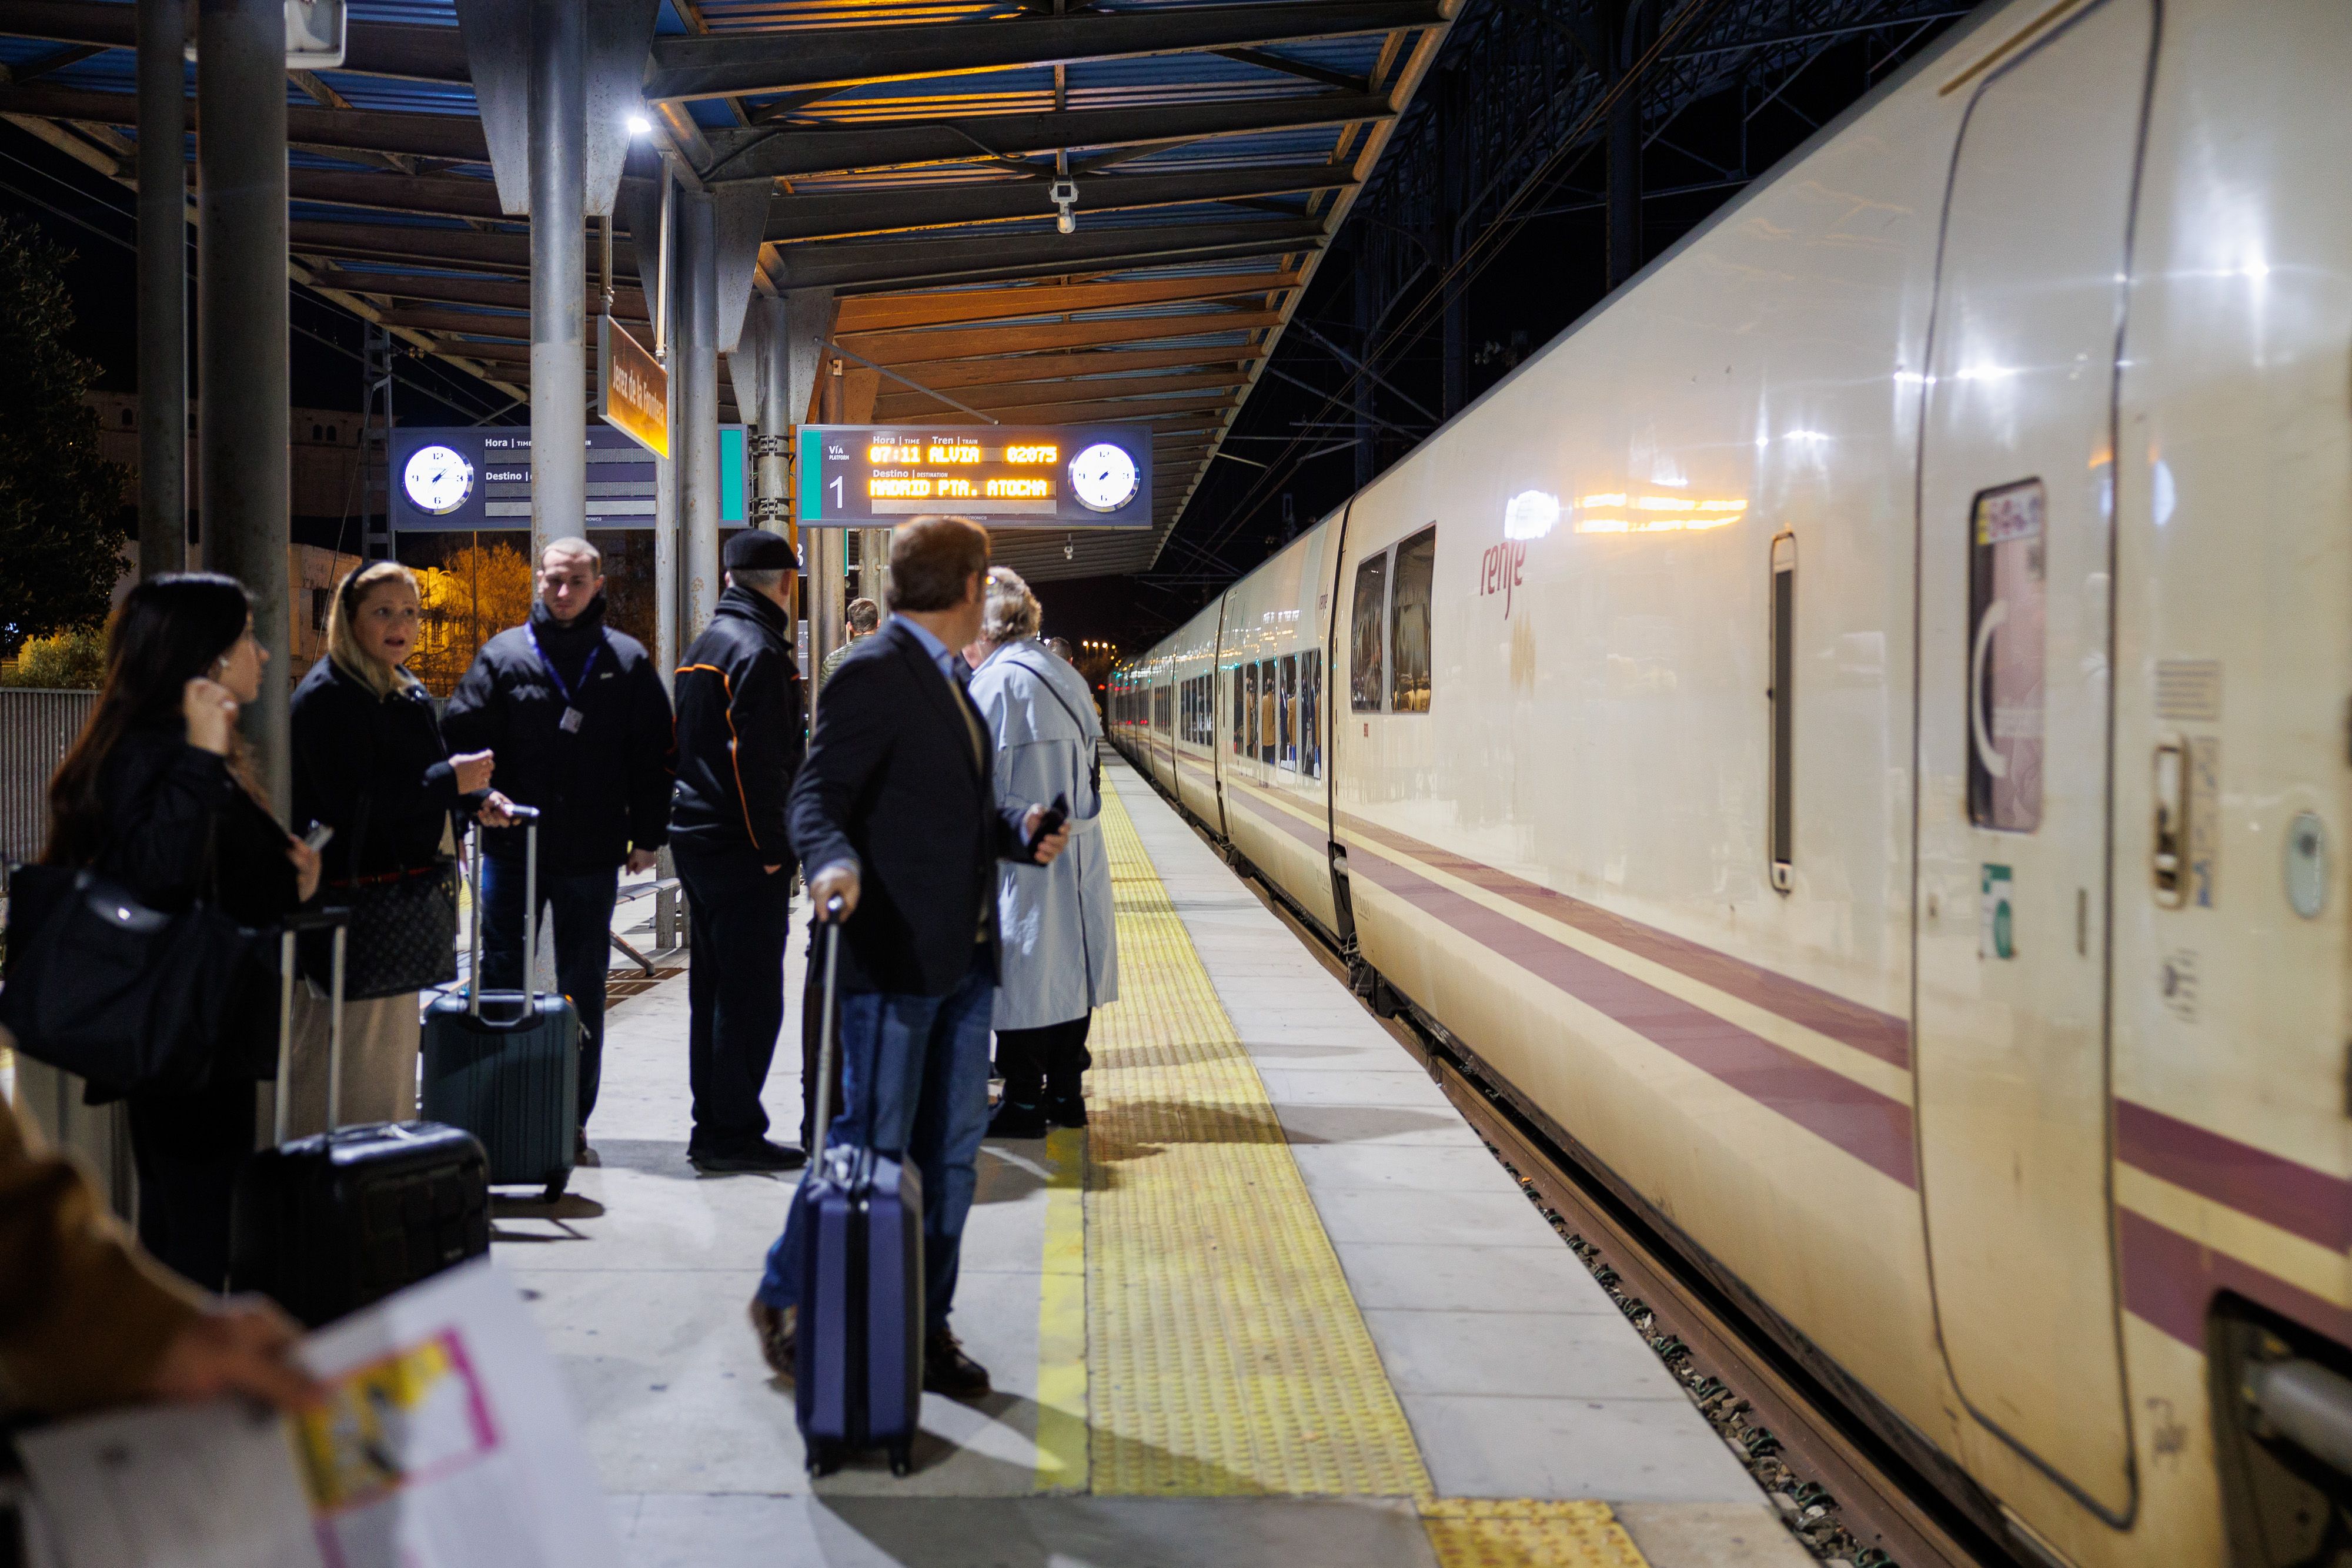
945,657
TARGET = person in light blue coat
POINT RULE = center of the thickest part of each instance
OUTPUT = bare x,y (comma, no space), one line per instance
1061,950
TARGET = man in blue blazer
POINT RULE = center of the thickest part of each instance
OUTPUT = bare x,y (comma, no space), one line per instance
895,812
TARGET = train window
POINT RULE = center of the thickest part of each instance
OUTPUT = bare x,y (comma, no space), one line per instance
1416,573
1241,709
1310,714
1249,707
1784,708
1367,677
1287,710
2006,599
1266,724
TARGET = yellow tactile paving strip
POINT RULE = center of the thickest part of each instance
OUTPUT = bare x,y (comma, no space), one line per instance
1225,1353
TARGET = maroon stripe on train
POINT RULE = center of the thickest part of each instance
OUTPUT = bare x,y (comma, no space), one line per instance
1866,1123
2169,1280
1868,1030
2278,1191
1308,834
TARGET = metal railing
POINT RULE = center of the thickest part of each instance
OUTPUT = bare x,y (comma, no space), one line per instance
36,727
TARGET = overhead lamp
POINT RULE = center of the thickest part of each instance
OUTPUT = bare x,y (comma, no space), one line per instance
639,125
1063,194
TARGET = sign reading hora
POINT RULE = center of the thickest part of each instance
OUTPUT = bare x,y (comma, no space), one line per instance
1009,475
478,477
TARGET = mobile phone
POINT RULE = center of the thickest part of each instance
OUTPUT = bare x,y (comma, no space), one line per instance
318,834
1055,815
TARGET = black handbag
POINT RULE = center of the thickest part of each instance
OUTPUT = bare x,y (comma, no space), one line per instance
404,934
124,996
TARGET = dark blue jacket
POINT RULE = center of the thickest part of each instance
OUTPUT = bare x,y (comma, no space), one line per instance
739,732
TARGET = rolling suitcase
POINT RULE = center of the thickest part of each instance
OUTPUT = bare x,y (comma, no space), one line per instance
327,1224
513,1082
859,1382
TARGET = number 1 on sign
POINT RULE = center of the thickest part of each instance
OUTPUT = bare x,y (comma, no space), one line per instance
840,494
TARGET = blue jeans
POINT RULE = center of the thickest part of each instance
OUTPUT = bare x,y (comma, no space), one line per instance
583,902
913,1082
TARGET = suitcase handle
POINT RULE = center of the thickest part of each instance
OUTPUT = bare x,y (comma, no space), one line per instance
828,1028
529,817
339,920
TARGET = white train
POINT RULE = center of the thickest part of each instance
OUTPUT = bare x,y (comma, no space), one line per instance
1853,737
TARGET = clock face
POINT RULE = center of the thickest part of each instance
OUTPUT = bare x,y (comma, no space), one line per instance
437,479
1103,477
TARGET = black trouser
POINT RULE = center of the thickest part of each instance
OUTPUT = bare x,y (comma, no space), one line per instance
1047,1062
811,1016
187,1149
740,916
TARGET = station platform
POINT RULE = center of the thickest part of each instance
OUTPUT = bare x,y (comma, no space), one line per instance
1277,1305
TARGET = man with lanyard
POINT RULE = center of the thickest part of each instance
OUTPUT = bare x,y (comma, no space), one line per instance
581,726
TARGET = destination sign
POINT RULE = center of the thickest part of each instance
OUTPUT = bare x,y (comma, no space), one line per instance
1049,475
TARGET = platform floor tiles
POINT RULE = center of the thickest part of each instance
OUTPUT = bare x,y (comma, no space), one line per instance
1276,1306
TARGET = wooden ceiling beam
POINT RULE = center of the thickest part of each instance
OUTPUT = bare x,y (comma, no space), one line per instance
1058,367
882,312
1139,409
900,404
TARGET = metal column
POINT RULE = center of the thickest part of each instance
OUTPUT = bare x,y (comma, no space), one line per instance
873,563
694,371
769,328
828,552
668,517
162,287
559,268
243,419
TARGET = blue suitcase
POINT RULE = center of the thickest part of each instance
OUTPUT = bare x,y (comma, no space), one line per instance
859,1382
505,1065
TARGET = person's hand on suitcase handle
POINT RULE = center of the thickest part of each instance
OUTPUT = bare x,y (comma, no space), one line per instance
244,1345
834,891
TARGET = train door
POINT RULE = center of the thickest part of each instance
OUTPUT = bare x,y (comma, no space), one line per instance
2014,748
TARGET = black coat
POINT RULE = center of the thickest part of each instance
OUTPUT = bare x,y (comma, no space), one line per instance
603,788
179,824
739,732
892,786
350,745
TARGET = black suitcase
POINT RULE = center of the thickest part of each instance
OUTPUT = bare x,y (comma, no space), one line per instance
512,1080
859,1379
328,1224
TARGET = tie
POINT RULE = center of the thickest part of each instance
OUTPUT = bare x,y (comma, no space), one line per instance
960,679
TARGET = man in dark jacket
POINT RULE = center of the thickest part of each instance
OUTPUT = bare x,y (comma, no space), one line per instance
581,725
895,814
739,744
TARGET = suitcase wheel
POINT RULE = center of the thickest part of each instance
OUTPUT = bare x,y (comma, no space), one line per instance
556,1182
823,1459
902,1459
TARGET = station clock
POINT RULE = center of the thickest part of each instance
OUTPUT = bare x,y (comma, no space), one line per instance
437,479
1104,477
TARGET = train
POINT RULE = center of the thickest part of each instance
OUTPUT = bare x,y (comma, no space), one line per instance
1852,739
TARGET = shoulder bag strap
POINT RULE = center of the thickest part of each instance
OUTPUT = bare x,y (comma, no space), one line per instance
1045,679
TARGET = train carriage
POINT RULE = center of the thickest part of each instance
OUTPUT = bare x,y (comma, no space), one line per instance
1853,736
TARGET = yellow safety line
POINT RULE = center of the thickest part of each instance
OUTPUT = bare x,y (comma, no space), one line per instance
1227,1352
1062,1441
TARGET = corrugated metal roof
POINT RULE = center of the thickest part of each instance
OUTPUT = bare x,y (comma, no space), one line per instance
1191,164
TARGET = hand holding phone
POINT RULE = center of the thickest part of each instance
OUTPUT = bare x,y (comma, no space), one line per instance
318,834
1050,823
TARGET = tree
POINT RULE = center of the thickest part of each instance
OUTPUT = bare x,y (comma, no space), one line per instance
63,524
476,592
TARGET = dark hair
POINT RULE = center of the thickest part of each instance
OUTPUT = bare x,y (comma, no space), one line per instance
169,630
932,560
864,615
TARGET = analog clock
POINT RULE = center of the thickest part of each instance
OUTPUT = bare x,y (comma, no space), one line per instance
437,479
1104,477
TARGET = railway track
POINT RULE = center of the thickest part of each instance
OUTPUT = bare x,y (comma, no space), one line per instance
1845,1494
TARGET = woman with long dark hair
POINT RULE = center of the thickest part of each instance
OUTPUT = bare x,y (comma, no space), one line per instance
157,795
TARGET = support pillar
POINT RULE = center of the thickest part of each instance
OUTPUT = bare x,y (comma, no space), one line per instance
770,330
242,334
873,564
668,520
829,554
693,440
162,289
559,268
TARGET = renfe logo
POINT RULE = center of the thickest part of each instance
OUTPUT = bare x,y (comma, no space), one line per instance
1500,570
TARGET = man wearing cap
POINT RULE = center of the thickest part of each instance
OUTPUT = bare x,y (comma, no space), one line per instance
739,744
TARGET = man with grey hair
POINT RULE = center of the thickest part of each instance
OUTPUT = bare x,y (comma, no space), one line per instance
580,725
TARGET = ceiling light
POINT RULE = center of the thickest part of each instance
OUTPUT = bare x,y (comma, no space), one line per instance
639,125
1063,194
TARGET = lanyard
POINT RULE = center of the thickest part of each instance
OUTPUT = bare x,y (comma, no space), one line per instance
571,704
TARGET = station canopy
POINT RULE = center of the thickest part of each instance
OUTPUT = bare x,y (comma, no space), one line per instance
911,152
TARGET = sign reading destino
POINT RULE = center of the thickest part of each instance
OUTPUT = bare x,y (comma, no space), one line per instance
631,387
1012,475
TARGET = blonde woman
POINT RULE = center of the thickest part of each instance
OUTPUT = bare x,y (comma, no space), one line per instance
370,762
1060,958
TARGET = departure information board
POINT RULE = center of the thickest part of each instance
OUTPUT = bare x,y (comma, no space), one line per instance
1009,475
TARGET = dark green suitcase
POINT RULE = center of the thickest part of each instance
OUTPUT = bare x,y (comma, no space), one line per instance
505,1065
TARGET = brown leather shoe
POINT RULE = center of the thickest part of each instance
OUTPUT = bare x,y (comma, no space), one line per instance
777,1330
947,1370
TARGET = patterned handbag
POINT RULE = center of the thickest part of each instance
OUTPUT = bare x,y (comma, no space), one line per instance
404,934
